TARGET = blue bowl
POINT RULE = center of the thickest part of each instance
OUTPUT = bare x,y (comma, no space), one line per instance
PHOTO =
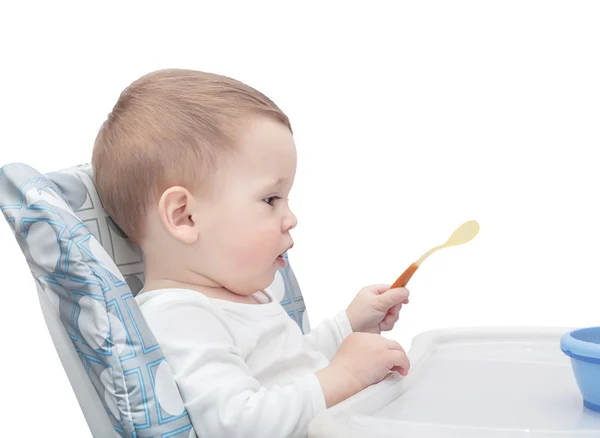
583,347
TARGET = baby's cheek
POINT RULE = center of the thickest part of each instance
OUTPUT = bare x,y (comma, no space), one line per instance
254,249
244,260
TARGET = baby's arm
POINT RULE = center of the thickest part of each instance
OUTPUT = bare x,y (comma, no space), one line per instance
221,395
329,335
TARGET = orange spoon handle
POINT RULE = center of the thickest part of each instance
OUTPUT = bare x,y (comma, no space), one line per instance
403,279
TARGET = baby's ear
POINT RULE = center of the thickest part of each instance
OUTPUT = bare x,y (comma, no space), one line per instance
175,209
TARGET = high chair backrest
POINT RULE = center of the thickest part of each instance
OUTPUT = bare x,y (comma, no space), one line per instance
87,273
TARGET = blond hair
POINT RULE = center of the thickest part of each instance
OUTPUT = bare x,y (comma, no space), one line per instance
169,128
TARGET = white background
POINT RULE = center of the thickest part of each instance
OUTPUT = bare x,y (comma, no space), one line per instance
409,120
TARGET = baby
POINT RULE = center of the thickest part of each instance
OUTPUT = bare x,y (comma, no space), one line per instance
196,168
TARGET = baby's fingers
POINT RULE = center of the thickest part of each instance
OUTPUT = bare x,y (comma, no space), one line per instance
401,363
390,318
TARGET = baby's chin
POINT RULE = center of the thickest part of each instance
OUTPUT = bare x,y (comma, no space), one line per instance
251,286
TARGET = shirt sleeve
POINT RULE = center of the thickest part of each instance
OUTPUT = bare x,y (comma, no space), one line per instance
219,392
328,336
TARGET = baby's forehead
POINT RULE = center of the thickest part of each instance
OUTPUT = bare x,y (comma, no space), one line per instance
263,154
273,154
253,175
262,135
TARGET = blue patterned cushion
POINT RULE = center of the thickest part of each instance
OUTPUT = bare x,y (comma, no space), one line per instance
91,272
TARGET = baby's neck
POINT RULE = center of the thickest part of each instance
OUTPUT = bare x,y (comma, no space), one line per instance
216,292
169,273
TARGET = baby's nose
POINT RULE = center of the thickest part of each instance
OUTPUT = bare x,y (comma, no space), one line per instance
289,222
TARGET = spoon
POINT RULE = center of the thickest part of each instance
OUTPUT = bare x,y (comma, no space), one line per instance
463,234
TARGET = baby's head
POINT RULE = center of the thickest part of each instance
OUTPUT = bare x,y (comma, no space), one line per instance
196,169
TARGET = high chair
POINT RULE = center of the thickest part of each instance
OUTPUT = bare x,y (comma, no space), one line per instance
87,273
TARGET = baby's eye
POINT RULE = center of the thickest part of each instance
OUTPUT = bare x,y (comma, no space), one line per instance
271,200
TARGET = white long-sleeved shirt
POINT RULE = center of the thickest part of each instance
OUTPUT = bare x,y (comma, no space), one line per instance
243,370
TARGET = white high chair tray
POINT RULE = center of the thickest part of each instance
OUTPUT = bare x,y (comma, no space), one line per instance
471,383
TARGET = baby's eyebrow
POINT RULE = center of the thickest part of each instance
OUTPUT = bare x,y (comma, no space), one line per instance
277,183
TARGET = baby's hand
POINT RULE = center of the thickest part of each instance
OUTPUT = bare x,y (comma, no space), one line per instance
376,308
362,360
